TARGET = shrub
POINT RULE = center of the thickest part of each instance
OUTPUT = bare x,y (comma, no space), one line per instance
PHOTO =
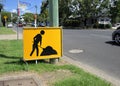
95,25
73,23
104,26
108,25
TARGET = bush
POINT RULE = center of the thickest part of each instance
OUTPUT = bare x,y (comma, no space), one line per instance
73,23
108,25
102,26
95,25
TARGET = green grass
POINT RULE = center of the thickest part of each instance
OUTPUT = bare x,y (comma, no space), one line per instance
4,30
12,51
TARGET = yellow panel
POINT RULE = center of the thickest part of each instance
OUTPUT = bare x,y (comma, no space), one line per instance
51,43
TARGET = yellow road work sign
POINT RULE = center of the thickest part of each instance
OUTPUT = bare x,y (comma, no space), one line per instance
42,43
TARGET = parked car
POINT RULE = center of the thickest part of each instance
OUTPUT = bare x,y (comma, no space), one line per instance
41,24
20,25
116,26
24,23
116,36
10,25
33,24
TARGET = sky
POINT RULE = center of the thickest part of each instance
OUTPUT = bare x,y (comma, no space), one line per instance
11,6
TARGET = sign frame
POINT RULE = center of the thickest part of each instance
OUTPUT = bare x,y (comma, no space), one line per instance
51,34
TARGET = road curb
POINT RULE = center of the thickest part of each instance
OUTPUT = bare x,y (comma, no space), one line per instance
95,71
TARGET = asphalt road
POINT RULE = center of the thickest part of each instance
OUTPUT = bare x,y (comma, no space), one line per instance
18,29
94,48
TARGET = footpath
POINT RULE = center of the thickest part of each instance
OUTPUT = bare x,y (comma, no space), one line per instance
11,37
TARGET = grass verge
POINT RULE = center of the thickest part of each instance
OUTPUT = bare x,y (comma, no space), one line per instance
4,30
12,51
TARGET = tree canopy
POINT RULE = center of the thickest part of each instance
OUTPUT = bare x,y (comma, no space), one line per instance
28,17
115,11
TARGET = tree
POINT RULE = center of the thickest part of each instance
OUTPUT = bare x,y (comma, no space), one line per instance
115,11
43,17
1,7
82,9
64,10
14,18
5,13
90,8
44,6
28,17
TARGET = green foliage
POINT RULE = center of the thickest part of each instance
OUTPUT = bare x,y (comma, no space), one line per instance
108,25
71,22
64,10
43,17
5,13
104,26
115,11
14,17
86,9
95,25
28,17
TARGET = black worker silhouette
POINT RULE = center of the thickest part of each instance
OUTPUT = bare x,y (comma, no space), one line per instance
48,51
37,39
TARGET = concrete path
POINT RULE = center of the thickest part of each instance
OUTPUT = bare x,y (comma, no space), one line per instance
11,37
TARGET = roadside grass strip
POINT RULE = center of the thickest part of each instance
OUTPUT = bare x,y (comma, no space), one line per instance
4,30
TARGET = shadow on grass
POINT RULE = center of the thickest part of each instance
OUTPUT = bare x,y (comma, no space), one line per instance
38,61
9,57
21,61
112,43
25,64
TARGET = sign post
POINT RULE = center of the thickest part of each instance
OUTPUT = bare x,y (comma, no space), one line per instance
42,43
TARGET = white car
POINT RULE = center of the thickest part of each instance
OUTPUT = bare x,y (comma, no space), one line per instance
116,26
10,25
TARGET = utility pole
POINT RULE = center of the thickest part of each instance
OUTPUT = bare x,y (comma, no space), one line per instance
18,13
35,16
1,7
54,17
53,13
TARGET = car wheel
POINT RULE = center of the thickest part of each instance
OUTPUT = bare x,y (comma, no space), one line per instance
118,28
117,38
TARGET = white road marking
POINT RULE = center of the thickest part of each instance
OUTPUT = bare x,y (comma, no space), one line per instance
76,51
